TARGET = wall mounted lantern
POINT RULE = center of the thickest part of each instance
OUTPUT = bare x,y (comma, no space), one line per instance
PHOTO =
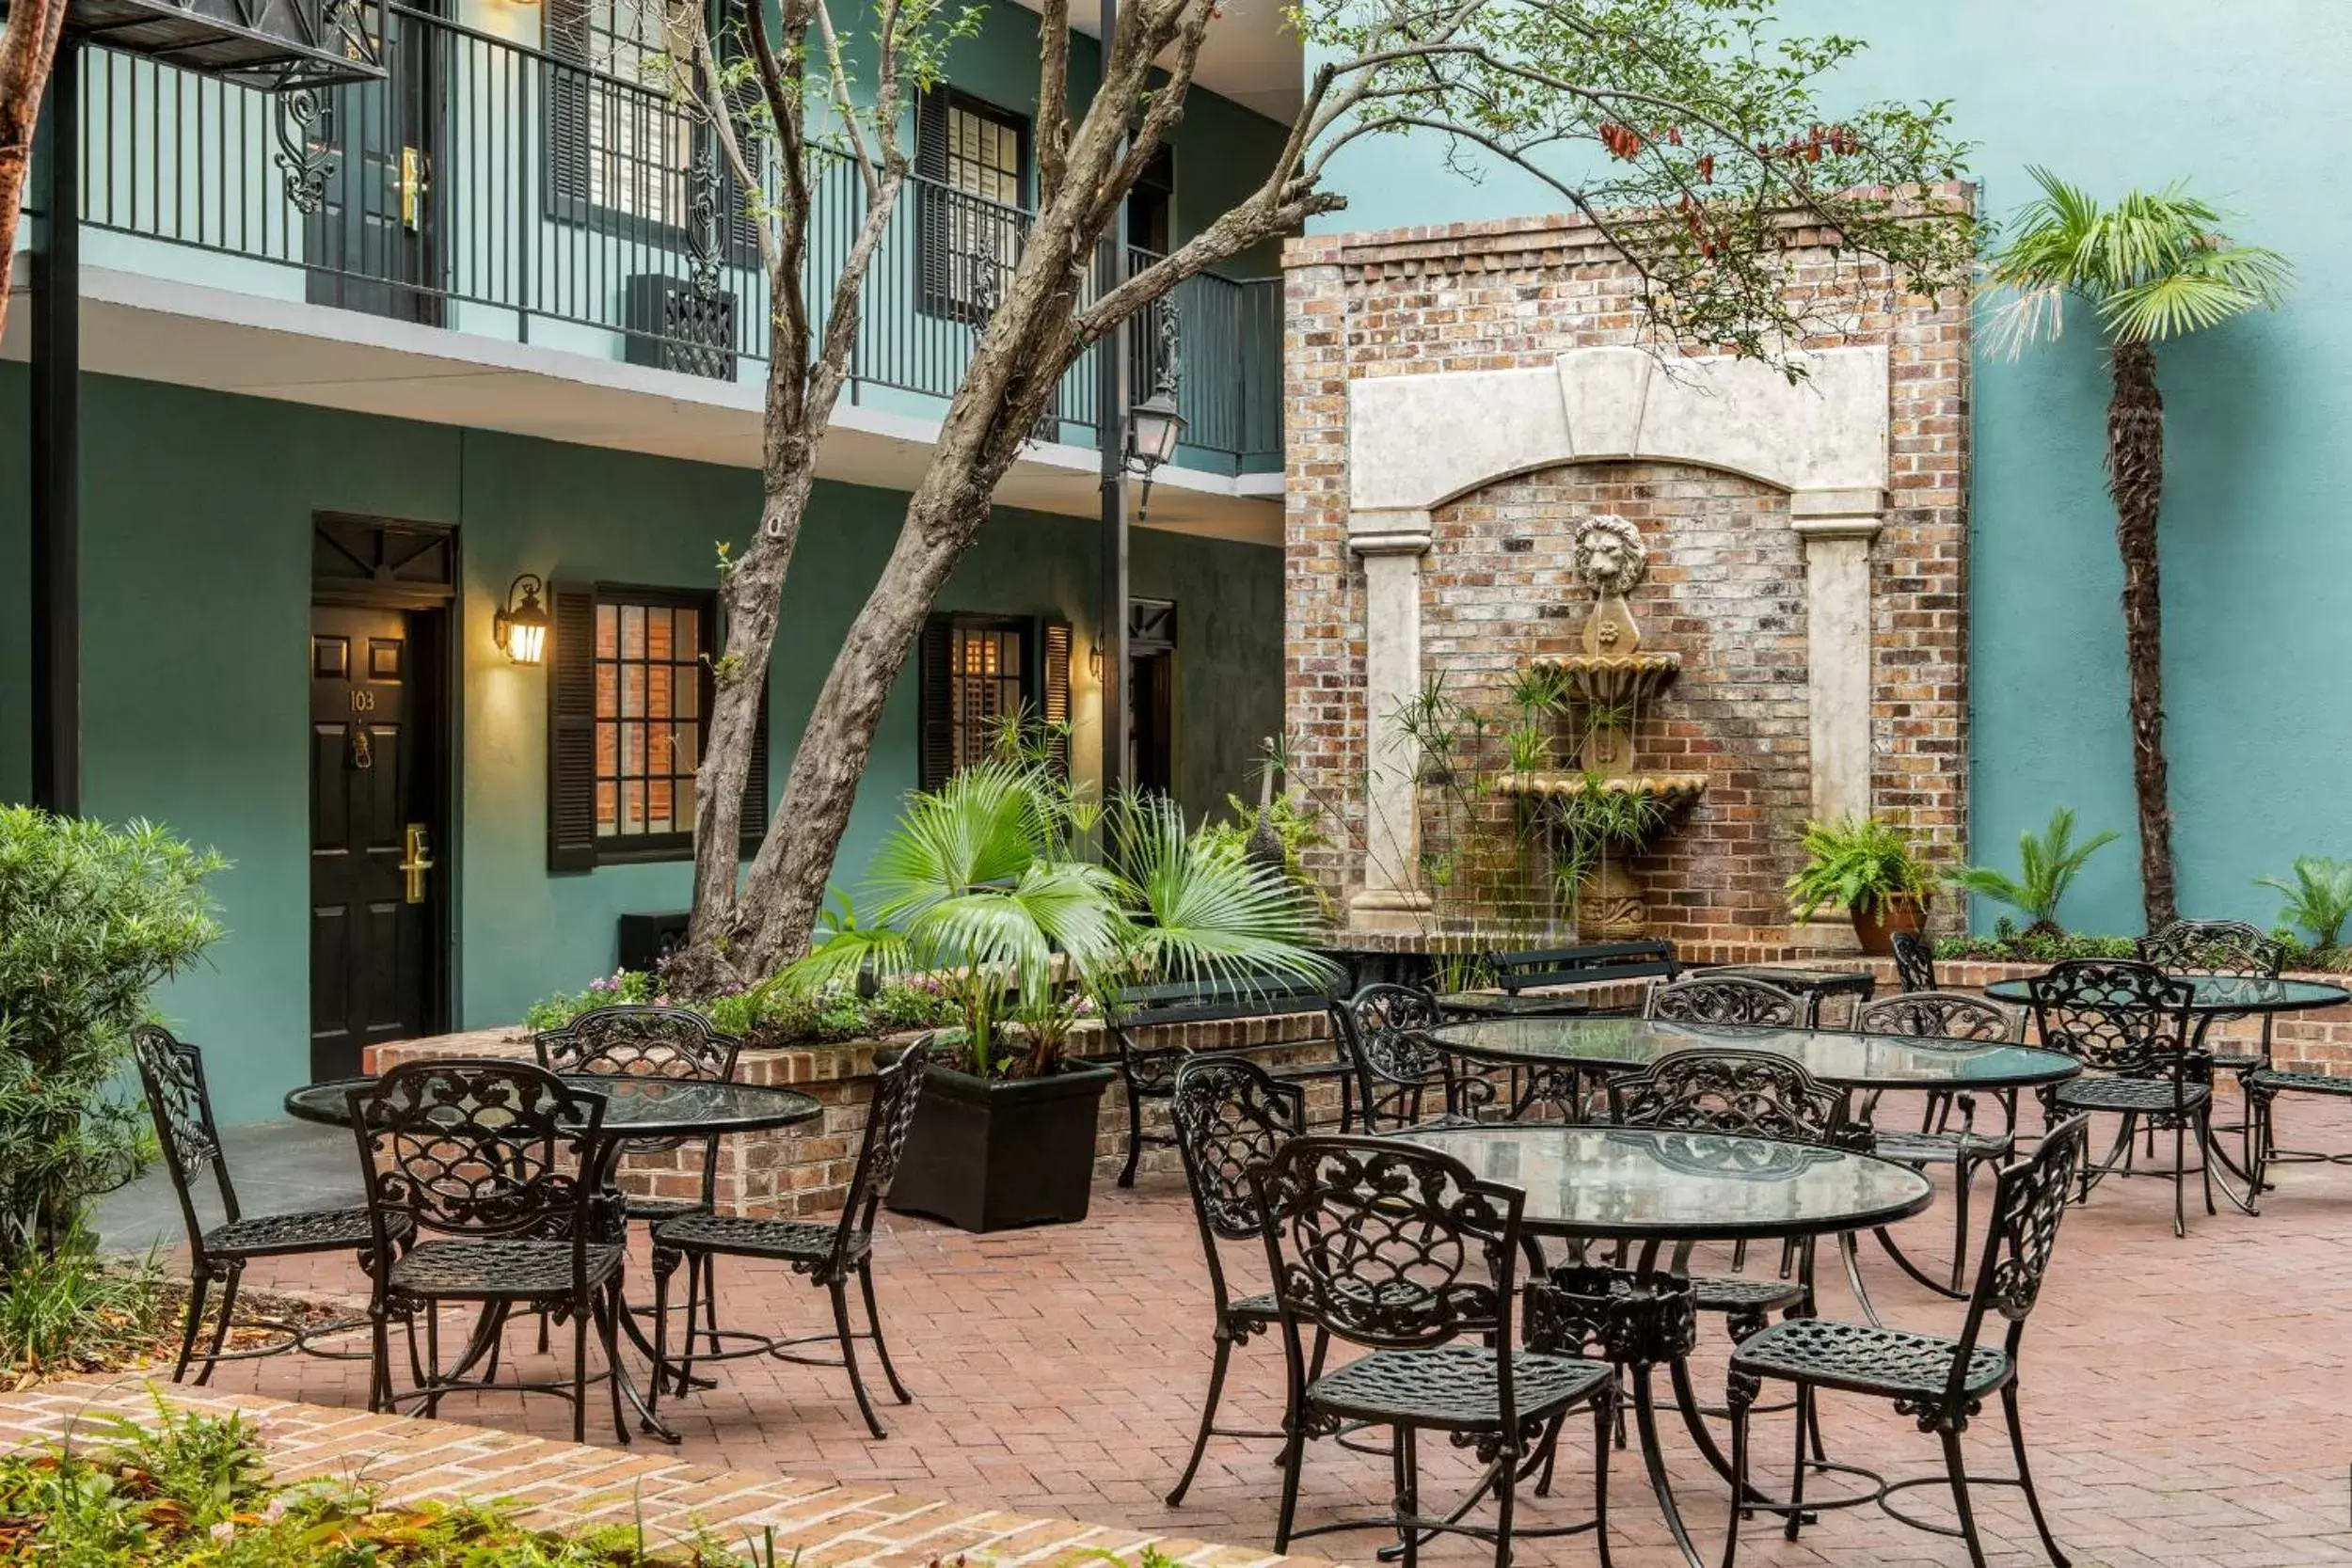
521,628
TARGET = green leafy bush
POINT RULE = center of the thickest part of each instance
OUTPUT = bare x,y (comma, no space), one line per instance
2048,863
93,918
2319,899
2007,944
194,1490
69,1310
1859,864
768,1015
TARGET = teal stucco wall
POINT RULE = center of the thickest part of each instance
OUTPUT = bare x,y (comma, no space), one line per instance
2232,98
197,538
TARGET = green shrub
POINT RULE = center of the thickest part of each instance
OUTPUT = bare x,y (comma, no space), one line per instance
68,1309
1858,864
93,918
766,1015
2009,946
2047,865
2319,899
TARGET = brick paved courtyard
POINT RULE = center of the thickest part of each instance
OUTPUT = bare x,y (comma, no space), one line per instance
2188,1399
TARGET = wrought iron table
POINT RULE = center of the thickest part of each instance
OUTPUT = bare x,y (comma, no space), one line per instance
1652,1189
635,1107
2214,994
1518,1003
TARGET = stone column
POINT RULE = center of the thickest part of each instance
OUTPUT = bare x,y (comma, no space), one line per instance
1836,527
1391,545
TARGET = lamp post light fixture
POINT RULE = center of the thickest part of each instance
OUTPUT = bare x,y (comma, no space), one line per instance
521,628
1153,429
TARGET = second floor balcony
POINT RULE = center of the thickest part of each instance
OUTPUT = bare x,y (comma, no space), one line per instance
521,194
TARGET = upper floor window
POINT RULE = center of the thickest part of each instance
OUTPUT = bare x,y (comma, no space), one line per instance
973,162
629,700
617,143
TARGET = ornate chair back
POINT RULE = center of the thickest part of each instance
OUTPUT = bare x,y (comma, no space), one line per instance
631,1039
1941,1015
1915,960
2029,1199
2214,947
1390,1245
1381,1029
1232,1115
2115,1015
172,1074
889,1117
1742,1093
486,1150
1727,999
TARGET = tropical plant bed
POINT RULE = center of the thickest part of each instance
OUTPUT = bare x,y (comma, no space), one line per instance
195,1489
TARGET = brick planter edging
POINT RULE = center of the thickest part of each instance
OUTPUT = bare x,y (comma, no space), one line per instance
806,1169
567,1486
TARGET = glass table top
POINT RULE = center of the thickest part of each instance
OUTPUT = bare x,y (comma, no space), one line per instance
1804,982
1524,1004
1835,1056
1681,1186
2220,994
640,1107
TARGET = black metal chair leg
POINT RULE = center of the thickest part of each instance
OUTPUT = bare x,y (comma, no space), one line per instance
228,1283
2180,1178
1604,1409
1135,1136
873,1320
661,1336
1220,1359
1742,1395
849,1357
580,1372
1406,1465
2025,1478
1964,1178
697,1270
1294,1456
199,1284
1506,1498
611,1323
1956,1464
430,1382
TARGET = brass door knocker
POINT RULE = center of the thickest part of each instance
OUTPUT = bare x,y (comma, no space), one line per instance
362,753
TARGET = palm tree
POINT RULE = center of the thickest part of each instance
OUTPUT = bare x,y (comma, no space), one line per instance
2153,267
984,886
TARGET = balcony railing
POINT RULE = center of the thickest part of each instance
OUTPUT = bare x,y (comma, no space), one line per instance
495,189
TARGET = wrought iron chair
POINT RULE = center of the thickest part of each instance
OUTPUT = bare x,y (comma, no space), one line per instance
1915,960
637,1040
1729,1000
830,1254
1231,1114
1380,1028
1940,1382
2226,947
1403,1251
1959,1022
172,1074
2132,1027
496,1168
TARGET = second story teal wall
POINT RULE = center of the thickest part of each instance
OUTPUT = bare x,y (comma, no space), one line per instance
2237,98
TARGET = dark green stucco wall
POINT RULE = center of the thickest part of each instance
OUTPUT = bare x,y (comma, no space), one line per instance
197,540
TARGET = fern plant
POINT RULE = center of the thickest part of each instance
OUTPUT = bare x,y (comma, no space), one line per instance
2047,865
1859,864
2319,899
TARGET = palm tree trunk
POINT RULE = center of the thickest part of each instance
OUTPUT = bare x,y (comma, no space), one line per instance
2135,481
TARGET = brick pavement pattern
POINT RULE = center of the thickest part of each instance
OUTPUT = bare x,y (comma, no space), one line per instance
2186,1398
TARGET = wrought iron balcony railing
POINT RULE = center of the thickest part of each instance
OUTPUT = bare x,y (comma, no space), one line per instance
491,188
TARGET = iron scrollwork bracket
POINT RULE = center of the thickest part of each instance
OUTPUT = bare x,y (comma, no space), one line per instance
306,146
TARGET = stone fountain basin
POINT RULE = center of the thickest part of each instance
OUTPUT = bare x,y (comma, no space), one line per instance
1675,789
1613,679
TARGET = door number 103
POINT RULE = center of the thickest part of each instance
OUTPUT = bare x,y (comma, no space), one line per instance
363,702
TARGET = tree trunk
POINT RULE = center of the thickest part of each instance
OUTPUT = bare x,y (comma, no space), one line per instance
2135,481
27,49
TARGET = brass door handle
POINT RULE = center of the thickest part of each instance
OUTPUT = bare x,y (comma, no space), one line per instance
415,864
415,183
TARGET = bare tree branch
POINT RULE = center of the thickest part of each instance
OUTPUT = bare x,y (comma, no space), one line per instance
1053,99
841,97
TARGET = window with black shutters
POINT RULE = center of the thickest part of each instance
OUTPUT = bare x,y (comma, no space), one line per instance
979,673
629,702
973,162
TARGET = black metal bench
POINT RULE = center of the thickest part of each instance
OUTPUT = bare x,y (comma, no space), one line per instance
1597,964
1149,1071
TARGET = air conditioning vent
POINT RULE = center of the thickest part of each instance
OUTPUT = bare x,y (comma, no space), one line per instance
671,328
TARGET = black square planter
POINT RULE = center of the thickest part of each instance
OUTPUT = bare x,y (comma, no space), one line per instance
997,1154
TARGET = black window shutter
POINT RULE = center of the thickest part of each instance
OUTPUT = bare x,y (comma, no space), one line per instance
754,828
572,730
935,750
1053,686
568,108
934,251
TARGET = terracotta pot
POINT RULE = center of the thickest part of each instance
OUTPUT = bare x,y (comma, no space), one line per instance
1876,930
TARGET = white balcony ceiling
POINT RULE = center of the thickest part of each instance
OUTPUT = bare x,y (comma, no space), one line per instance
1247,57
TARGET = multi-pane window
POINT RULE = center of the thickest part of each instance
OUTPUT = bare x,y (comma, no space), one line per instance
619,140
649,716
973,160
987,669
980,672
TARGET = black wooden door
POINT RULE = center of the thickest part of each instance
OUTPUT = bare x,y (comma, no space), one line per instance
372,918
375,241
1151,721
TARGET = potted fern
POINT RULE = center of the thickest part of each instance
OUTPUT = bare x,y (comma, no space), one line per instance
1869,868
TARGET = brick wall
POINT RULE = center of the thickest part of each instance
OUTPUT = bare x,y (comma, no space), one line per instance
1727,586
